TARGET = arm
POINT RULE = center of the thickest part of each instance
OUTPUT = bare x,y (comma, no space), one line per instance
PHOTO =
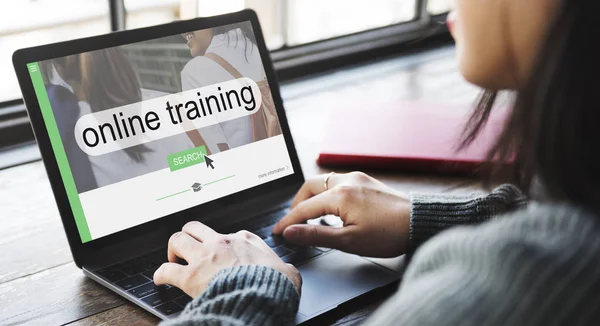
380,221
243,295
433,213
236,278
537,267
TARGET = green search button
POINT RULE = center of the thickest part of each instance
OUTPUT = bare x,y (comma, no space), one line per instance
187,158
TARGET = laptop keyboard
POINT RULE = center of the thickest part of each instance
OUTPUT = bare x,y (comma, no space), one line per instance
290,253
135,276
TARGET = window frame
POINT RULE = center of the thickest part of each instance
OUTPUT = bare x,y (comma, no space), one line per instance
290,62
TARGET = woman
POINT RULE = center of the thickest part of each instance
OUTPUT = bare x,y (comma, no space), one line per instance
98,81
237,46
525,264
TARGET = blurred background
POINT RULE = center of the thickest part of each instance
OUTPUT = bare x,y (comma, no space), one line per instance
305,38
285,23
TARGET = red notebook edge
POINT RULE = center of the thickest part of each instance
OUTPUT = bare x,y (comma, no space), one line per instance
394,163
339,143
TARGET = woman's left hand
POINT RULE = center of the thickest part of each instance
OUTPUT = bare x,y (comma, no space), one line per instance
207,252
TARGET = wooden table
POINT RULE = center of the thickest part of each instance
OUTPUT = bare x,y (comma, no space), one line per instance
39,283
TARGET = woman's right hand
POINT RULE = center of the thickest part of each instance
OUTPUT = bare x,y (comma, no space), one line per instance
376,218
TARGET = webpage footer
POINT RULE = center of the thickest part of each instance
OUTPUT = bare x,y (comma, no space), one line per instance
145,198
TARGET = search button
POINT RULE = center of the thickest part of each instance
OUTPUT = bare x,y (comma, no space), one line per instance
187,158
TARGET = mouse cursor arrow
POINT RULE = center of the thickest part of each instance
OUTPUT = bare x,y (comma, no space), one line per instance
209,162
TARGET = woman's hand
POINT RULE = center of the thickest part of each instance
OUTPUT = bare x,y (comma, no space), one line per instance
207,252
376,218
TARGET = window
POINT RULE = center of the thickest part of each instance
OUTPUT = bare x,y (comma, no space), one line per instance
270,13
33,22
436,7
143,13
289,23
314,20
299,32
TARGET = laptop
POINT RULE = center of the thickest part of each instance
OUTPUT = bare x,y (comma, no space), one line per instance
144,130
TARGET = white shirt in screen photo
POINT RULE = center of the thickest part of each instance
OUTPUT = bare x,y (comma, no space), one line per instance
202,71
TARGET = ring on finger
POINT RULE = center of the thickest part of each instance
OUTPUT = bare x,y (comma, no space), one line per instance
326,181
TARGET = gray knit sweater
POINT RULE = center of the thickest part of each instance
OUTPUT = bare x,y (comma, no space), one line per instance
536,265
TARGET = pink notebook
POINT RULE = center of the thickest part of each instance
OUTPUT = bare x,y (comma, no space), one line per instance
413,136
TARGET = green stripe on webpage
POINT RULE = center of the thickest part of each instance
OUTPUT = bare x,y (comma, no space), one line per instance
59,151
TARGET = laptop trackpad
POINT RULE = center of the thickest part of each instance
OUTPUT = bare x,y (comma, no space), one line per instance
339,277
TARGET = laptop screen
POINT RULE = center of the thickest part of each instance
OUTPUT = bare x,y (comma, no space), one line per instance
144,130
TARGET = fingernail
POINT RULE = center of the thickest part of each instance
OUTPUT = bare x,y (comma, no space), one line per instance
174,236
291,231
158,270
278,229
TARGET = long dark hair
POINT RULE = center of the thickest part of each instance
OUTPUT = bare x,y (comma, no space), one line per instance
108,80
553,132
247,32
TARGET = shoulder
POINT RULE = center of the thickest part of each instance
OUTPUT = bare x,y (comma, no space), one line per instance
538,230
200,63
519,269
202,71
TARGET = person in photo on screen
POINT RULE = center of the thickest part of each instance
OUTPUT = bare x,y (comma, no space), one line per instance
236,45
102,80
526,253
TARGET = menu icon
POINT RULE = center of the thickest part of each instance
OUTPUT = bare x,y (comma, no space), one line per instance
33,67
